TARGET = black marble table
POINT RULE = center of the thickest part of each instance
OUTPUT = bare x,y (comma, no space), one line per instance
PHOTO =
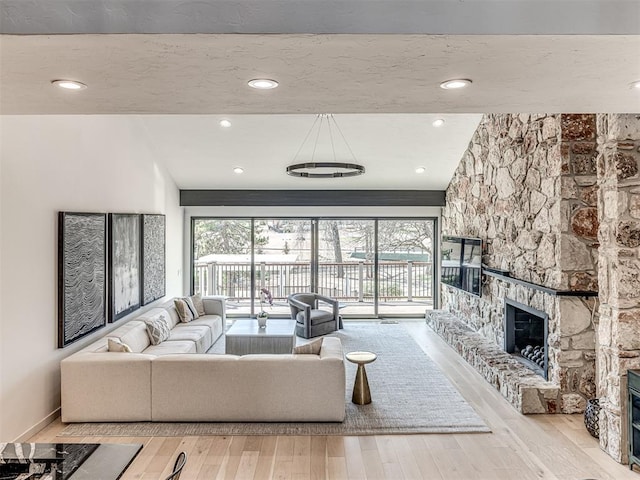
65,461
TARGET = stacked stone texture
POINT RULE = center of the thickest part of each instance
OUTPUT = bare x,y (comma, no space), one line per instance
526,186
579,203
618,166
524,389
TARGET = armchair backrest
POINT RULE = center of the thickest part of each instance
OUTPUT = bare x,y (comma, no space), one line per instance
306,298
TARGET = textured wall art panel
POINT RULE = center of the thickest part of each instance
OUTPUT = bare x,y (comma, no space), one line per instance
153,258
124,244
82,275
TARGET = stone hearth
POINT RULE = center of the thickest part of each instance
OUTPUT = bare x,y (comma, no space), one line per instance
523,388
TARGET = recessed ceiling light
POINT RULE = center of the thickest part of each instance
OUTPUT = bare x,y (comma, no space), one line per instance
456,83
69,84
420,170
263,83
438,122
225,123
238,170
635,85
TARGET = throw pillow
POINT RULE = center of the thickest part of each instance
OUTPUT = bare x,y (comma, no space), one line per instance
192,307
115,345
311,348
157,329
183,310
197,301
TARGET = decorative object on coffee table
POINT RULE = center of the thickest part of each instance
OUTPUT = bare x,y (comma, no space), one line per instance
124,274
591,417
361,392
262,316
153,257
82,275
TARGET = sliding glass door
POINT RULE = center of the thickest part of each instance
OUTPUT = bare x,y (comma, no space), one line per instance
346,264
222,253
405,266
374,267
283,254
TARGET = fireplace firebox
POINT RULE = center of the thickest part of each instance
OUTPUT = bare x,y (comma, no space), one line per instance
525,336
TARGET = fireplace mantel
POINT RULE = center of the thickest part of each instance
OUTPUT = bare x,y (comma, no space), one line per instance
542,288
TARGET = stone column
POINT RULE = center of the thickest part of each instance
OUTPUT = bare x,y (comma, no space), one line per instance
618,272
579,213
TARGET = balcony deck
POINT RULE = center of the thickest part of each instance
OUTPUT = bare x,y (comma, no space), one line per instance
405,288
352,310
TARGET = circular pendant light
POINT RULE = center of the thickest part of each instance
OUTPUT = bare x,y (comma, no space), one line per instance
335,169
325,170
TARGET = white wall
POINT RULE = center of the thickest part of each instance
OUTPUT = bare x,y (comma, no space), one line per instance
51,164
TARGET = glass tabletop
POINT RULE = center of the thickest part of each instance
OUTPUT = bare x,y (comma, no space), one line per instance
65,461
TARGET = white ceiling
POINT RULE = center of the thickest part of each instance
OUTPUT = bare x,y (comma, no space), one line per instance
384,90
200,154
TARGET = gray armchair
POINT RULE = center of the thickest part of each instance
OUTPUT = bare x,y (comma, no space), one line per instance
312,321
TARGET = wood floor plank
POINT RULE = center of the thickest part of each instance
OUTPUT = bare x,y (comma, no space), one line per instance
423,458
231,459
337,468
335,446
405,457
318,461
264,468
353,456
534,447
301,469
247,465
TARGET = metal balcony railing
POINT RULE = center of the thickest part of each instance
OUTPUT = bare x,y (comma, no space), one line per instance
347,281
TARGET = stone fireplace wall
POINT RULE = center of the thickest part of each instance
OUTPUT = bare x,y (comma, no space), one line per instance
619,272
527,186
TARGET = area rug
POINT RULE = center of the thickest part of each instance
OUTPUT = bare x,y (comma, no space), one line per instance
410,395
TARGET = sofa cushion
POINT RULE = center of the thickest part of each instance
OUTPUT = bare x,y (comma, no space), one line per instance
317,317
157,329
173,318
134,334
192,307
155,313
115,345
311,348
198,334
197,301
171,347
184,312
214,322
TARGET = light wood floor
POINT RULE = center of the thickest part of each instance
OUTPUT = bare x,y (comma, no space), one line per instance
519,447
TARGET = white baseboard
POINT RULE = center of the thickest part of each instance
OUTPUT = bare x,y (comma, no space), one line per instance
39,426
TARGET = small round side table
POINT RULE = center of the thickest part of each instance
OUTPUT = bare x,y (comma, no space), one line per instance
361,393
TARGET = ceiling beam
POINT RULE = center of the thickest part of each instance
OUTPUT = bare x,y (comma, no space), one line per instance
308,198
472,17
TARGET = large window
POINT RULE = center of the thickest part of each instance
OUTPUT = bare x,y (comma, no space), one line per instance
372,266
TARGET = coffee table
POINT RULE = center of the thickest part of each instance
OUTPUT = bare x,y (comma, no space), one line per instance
246,337
66,461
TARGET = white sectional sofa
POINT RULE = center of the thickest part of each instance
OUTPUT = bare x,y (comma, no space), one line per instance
177,381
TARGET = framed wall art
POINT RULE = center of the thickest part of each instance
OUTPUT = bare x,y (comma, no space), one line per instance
82,275
124,255
153,257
